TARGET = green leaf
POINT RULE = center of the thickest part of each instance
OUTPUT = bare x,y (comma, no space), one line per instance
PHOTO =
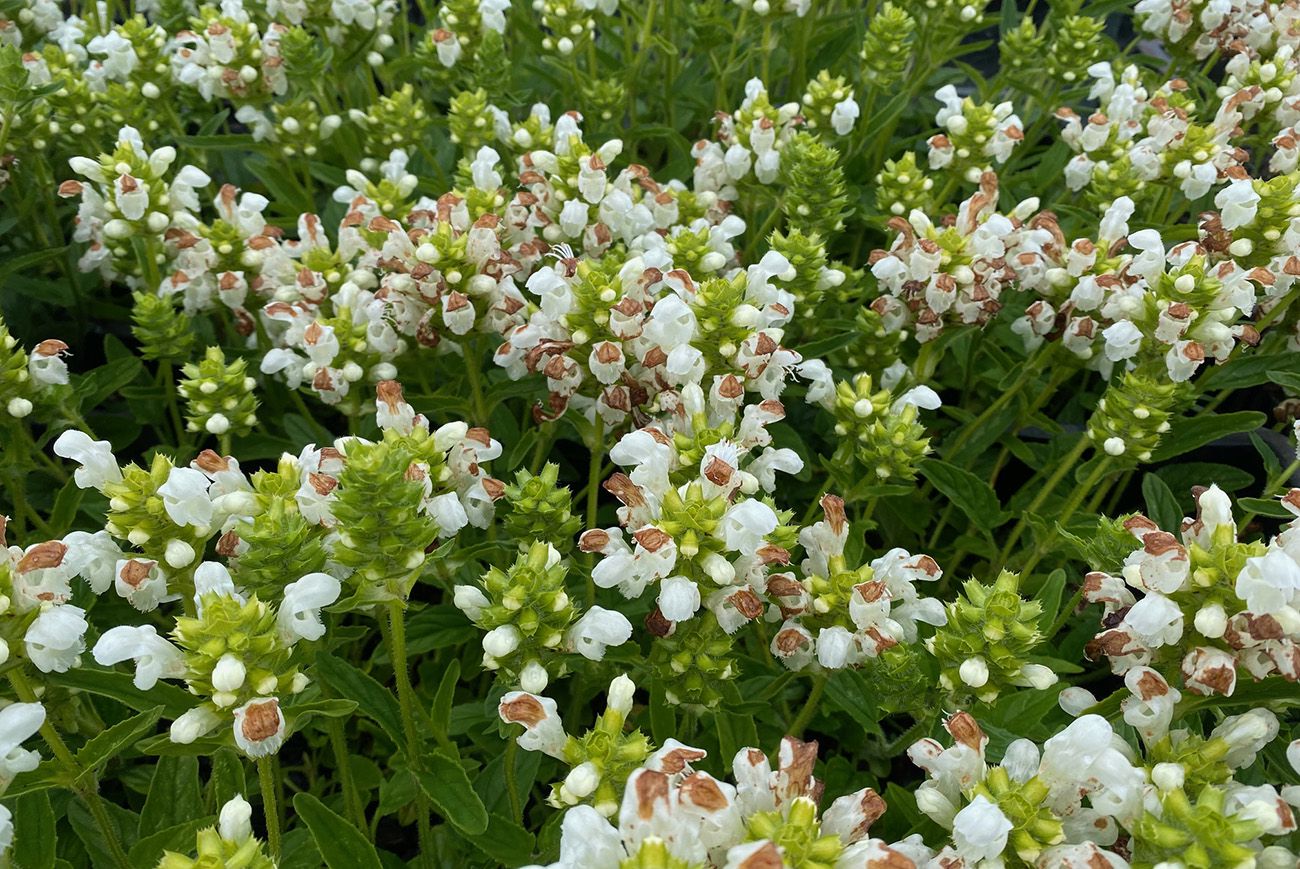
442,701
117,739
972,495
174,797
178,837
1049,598
504,841
1265,507
398,791
341,845
66,503
34,832
850,692
373,700
448,787
101,382
1191,432
300,714
1162,506
119,686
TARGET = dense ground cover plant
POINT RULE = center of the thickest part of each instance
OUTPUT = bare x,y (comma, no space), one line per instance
678,433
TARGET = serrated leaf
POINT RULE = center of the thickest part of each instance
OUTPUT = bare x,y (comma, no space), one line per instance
120,687
174,796
447,786
972,495
34,832
1189,433
341,845
373,700
117,739
1162,506
505,841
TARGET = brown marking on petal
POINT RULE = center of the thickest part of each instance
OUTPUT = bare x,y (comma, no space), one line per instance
657,625
496,490
620,485
790,641
747,603
872,806
891,859
1157,543
322,483
70,188
770,553
261,720
652,539
1151,685
702,790
797,761
833,508
42,556
1263,627
1139,526
654,357
966,730
718,472
390,393
50,347
765,345
211,462
594,540
784,585
676,760
228,544
766,857
651,787
524,709
730,387
872,591
134,572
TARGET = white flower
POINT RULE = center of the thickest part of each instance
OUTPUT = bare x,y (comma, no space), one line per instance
98,464
259,727
155,657
185,497
141,583
234,822
299,612
979,831
679,598
1122,340
192,724
745,524
844,116
597,629
543,730
18,723
1269,582
1237,203
56,639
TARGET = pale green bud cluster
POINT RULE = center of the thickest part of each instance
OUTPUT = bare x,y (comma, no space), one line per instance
1034,826
163,330
885,442
691,252
234,651
214,852
1133,414
280,543
815,198
887,48
984,648
602,99
901,186
797,832
602,759
395,120
383,530
694,660
218,395
1076,44
568,26
820,98
470,121
806,253
541,509
1020,51
138,514
527,613
653,853
1199,835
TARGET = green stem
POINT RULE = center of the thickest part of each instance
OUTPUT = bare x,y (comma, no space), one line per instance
594,465
342,760
270,785
809,707
1066,464
1076,498
512,779
407,701
475,383
84,782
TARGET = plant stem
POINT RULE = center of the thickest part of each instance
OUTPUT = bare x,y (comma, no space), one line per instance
809,707
1064,466
594,466
88,790
512,780
407,701
270,785
351,799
